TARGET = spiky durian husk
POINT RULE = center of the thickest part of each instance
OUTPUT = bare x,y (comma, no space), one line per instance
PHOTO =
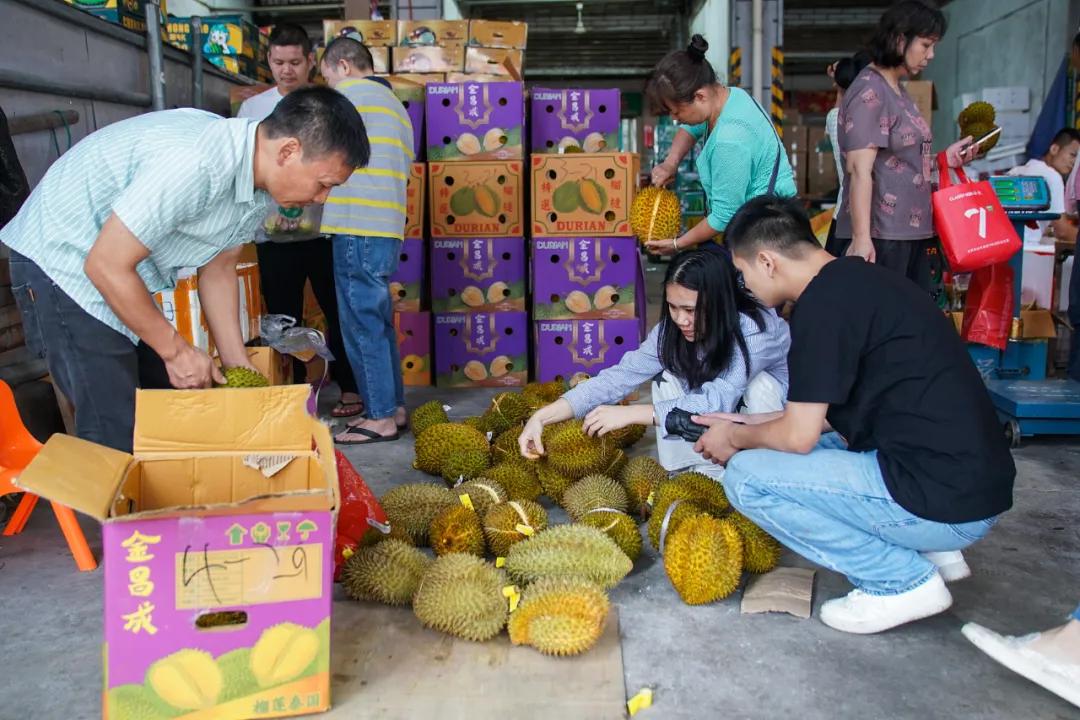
540,394
414,506
560,616
439,442
504,448
243,377
428,414
501,524
979,111
761,551
627,436
507,409
572,452
552,482
592,492
476,422
484,494
388,572
704,559
706,491
613,463
641,476
519,481
374,536
461,595
618,526
577,551
457,529
465,465
684,510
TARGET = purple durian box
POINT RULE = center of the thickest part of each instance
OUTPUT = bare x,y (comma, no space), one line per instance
475,121
412,97
574,120
565,348
407,282
478,274
481,349
585,278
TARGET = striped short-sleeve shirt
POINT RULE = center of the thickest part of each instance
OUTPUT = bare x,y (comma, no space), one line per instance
182,181
372,202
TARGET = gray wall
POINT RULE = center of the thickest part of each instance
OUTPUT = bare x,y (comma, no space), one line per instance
51,41
994,43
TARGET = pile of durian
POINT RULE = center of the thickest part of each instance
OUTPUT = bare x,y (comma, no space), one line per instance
547,584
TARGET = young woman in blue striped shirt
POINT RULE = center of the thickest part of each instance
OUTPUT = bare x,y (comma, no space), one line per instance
714,346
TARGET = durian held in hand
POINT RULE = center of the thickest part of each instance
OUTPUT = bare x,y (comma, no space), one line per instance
576,448
244,377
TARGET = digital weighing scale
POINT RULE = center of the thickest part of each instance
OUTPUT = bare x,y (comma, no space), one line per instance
1026,401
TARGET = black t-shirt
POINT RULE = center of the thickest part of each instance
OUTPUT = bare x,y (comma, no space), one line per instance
897,378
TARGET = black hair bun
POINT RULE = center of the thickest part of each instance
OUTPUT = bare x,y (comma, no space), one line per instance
697,48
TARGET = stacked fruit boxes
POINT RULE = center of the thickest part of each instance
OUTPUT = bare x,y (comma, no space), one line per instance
476,174
588,287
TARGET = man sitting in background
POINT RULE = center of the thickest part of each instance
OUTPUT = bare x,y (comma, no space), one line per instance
366,217
291,248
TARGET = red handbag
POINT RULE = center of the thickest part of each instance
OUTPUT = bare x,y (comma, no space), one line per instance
974,230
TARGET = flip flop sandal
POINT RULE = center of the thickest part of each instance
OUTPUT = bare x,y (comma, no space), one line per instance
371,435
338,412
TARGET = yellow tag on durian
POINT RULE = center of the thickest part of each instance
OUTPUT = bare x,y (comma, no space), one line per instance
510,592
466,500
500,562
347,553
652,498
640,701
525,530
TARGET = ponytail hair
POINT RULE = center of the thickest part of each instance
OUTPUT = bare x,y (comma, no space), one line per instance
677,77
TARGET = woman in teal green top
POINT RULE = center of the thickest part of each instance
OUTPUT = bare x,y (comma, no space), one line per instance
742,156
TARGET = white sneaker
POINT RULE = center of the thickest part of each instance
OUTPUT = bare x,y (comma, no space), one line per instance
1016,654
858,612
951,565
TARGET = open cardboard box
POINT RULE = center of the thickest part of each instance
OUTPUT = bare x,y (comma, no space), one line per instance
225,512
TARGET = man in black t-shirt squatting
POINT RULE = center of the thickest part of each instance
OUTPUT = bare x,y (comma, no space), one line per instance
918,467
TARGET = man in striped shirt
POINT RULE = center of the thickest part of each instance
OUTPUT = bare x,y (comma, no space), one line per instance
115,218
366,217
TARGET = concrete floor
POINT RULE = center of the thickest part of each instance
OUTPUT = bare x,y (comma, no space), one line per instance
702,662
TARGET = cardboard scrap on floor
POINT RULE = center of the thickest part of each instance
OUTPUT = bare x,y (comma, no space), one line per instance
387,665
789,590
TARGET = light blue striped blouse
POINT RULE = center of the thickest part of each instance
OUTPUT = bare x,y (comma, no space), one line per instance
182,181
767,348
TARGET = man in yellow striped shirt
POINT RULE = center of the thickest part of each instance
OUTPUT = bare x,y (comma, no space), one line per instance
366,217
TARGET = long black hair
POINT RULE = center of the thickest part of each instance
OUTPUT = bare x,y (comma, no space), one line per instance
717,328
679,75
904,21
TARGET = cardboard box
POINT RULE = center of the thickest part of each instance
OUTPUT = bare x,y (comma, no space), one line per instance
574,118
799,162
182,308
478,274
235,64
229,35
480,78
438,33
380,58
373,33
494,61
567,347
584,278
476,199
411,96
413,79
130,14
475,121
481,349
414,347
821,177
428,59
817,140
559,207
407,282
1037,323
796,138
498,34
415,195
922,94
276,367
192,528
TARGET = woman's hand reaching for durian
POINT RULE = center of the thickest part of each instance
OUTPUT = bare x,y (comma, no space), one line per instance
530,441
605,418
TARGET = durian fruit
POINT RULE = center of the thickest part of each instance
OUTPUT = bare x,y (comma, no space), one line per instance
476,422
706,491
483,494
137,702
684,510
618,526
519,480
976,120
465,465
641,476
553,482
613,463
626,436
655,214
236,670
414,506
507,409
592,492
540,394
461,595
503,524
242,377
457,529
559,616
374,536
438,442
283,652
570,551
761,551
704,559
428,414
188,679
572,452
504,448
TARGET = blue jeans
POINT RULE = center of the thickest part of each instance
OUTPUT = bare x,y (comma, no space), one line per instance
832,507
362,270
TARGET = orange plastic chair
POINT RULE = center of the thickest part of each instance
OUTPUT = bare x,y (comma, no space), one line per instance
17,448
